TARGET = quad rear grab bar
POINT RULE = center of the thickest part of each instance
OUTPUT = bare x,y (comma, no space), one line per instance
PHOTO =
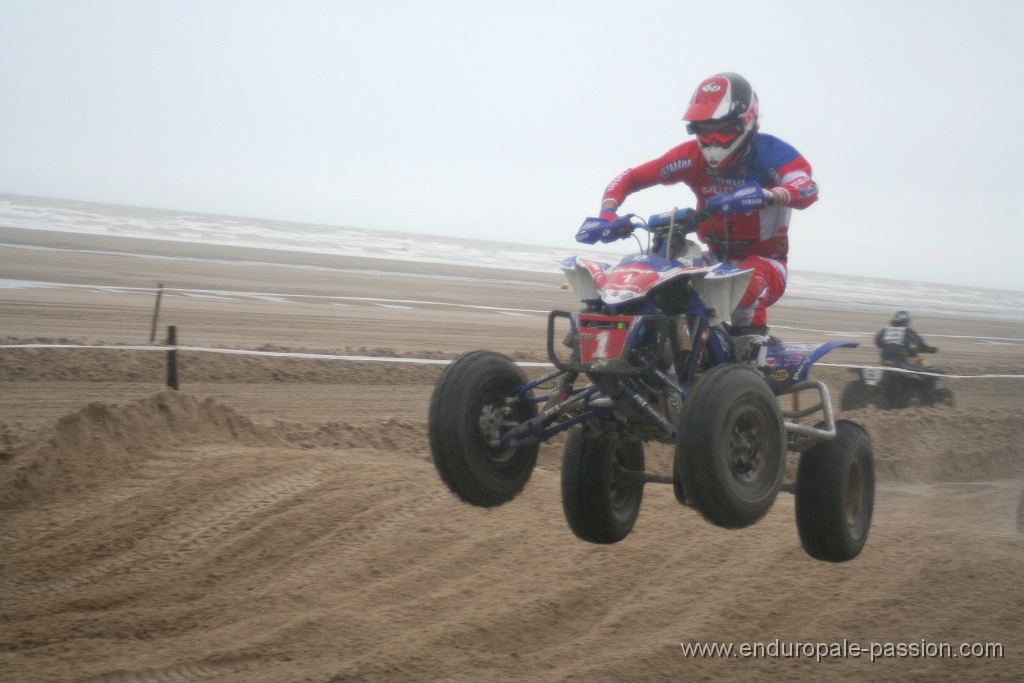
800,436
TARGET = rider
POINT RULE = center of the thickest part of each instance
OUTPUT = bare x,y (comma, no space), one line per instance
728,153
900,344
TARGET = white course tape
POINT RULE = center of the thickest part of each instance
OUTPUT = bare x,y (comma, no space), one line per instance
836,333
415,361
918,372
245,352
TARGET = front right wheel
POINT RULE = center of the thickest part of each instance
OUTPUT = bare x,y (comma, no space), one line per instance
473,405
731,450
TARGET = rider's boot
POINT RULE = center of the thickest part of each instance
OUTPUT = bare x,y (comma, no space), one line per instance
748,341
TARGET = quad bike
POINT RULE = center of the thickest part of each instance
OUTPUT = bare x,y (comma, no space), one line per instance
893,387
650,358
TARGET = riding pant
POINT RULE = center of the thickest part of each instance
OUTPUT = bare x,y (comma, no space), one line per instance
767,285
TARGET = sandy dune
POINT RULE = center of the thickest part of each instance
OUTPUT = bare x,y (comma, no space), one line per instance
280,519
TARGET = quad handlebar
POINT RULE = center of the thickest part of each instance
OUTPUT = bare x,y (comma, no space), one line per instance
678,221
744,199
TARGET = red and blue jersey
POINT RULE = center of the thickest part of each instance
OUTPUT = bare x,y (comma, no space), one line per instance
770,161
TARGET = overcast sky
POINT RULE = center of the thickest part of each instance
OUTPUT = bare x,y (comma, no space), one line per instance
505,120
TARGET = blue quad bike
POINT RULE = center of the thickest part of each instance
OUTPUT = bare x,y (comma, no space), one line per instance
650,357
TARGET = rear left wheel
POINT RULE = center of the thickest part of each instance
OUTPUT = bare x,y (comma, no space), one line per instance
601,489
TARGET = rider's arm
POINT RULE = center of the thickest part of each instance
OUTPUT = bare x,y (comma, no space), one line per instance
878,338
915,341
796,189
928,348
786,173
673,167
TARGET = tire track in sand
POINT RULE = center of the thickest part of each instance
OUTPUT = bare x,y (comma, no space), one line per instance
178,673
36,524
168,547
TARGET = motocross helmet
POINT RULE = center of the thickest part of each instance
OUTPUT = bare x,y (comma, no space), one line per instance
901,319
723,116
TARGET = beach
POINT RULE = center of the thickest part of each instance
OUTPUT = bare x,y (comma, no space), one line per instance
278,518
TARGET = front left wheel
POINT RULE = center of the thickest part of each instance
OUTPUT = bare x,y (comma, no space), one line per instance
944,397
473,405
856,395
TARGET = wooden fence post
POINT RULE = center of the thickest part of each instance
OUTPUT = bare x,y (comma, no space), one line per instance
156,313
172,357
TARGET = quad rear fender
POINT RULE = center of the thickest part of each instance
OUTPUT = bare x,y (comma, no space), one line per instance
787,364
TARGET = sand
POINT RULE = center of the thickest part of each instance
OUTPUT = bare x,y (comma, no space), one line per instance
279,519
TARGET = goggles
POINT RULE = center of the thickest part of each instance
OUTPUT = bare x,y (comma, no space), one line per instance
720,133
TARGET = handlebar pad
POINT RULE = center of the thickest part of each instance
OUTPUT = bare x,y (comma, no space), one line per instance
596,230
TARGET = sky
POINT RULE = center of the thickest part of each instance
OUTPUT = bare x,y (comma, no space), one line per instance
506,120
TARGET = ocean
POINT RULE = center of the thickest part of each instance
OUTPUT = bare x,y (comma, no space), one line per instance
804,289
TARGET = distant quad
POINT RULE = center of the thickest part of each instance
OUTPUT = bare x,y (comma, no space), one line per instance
649,357
892,388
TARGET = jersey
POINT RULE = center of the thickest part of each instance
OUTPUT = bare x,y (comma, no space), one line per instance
892,335
898,342
770,161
